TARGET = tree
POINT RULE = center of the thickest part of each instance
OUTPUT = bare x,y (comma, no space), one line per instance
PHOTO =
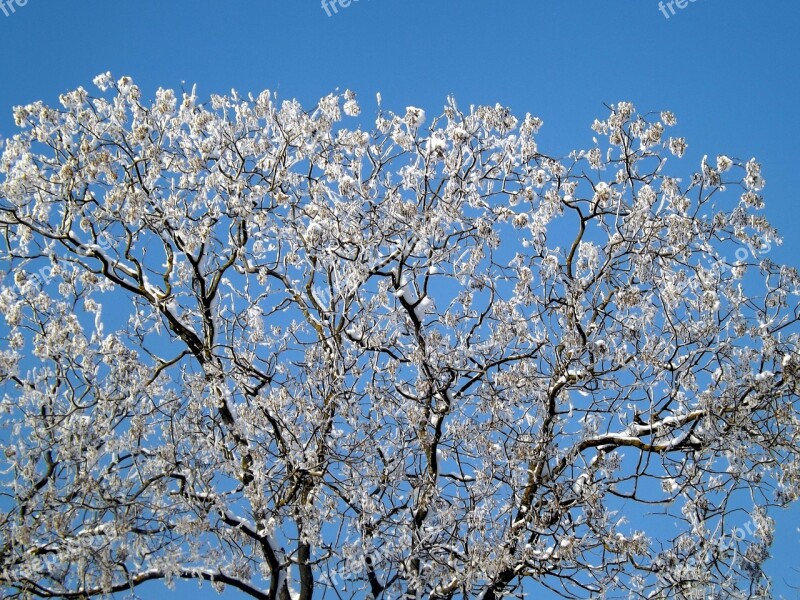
249,345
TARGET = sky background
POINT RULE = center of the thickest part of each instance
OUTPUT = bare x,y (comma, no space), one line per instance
727,68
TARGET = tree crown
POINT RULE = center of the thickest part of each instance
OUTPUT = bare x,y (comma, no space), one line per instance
248,344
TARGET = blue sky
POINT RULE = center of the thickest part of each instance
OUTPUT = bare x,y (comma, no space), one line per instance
727,68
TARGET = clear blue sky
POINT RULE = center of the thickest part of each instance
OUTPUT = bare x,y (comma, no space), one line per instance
727,68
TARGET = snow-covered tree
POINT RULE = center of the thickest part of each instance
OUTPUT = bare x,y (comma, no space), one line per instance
248,344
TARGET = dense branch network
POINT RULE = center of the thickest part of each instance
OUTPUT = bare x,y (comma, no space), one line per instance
246,344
